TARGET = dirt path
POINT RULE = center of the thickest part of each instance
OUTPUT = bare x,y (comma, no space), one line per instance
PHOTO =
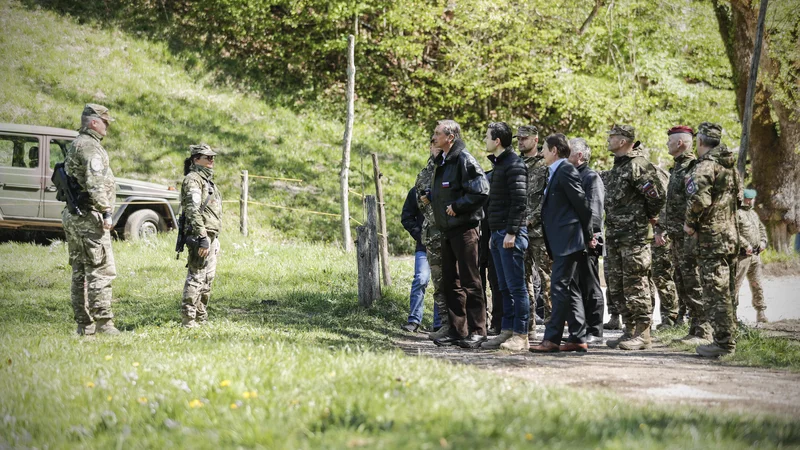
658,375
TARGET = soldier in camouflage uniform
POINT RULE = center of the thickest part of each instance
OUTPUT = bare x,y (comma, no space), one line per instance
432,240
714,193
670,228
536,257
752,241
88,235
662,270
634,198
201,203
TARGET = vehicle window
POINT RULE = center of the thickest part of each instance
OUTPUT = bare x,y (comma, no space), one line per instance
58,151
19,151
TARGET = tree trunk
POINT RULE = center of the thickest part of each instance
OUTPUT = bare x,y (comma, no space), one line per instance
774,145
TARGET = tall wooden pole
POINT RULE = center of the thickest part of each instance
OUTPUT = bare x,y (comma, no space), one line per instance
383,238
369,278
243,204
344,174
747,118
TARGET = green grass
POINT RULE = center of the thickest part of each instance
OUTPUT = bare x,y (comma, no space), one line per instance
310,369
753,348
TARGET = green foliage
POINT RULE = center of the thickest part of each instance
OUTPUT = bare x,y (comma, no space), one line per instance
305,369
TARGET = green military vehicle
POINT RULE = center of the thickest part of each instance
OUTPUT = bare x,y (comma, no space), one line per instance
28,155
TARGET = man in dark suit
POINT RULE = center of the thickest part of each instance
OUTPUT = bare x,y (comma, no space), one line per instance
566,220
589,274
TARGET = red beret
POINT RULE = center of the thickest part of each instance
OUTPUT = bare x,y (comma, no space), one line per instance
680,129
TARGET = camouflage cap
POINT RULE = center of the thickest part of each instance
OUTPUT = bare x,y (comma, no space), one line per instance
749,193
679,130
623,130
202,149
526,130
710,129
95,110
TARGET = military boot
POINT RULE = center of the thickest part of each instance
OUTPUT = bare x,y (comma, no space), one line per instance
626,334
713,351
612,324
640,339
665,324
517,343
442,332
106,326
188,322
761,317
495,342
86,330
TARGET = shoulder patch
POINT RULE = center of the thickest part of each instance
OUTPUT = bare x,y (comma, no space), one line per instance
650,190
96,164
196,198
691,186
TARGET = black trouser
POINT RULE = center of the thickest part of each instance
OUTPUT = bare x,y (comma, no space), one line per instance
592,294
565,295
489,275
461,281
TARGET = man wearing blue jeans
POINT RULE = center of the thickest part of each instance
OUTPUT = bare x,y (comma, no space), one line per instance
508,197
412,219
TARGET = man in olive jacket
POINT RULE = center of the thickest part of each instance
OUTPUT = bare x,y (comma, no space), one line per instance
458,192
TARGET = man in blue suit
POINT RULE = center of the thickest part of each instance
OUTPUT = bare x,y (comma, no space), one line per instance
566,220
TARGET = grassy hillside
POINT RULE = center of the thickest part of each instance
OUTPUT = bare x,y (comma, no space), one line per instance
52,66
287,361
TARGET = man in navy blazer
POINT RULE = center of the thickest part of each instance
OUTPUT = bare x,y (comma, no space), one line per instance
566,220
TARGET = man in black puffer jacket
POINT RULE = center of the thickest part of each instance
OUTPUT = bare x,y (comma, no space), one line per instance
458,192
509,240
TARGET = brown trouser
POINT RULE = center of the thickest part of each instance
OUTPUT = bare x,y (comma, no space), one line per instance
461,281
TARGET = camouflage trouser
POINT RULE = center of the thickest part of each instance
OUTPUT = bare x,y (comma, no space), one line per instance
533,282
627,272
544,265
689,284
197,289
92,264
750,266
434,250
662,273
719,281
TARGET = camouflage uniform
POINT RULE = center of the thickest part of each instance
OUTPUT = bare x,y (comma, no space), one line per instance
714,192
687,272
198,190
536,255
432,240
662,270
753,234
634,195
89,244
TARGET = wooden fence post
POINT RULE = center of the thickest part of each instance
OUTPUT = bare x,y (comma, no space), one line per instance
243,204
348,139
383,238
369,288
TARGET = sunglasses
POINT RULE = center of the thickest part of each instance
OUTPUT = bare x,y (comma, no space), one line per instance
208,157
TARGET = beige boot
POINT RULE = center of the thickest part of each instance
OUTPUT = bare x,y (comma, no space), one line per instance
188,322
106,326
442,332
640,339
495,342
517,343
626,334
761,317
86,330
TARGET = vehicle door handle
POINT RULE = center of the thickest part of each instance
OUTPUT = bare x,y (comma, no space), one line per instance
51,189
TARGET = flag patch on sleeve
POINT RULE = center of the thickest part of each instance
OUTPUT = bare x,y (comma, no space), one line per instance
650,190
445,184
691,186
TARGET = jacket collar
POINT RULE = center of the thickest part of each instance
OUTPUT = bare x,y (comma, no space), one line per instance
204,172
495,159
452,155
91,133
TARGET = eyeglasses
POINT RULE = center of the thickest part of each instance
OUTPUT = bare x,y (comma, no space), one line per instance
208,157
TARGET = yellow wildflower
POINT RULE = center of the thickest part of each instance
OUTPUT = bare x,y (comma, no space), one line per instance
142,400
135,364
108,357
109,398
528,437
234,406
225,383
195,404
89,384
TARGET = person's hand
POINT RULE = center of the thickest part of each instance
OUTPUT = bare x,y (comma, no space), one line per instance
654,221
508,241
749,250
203,252
425,200
660,241
450,211
762,247
593,242
107,224
688,230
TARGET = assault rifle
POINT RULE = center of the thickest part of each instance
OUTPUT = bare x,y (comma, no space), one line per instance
68,189
187,238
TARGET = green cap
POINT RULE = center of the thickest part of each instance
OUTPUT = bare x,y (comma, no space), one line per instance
202,149
527,130
623,130
749,193
710,129
95,110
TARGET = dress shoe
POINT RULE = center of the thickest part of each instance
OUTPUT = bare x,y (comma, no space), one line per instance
472,341
410,327
573,347
493,331
712,351
545,347
592,339
447,340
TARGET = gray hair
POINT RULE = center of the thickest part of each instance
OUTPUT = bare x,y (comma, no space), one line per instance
86,120
449,127
580,145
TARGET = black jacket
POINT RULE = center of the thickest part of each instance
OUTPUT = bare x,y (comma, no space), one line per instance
412,219
459,182
595,196
508,196
566,217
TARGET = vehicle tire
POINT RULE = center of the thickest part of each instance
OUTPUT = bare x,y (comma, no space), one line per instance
143,224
